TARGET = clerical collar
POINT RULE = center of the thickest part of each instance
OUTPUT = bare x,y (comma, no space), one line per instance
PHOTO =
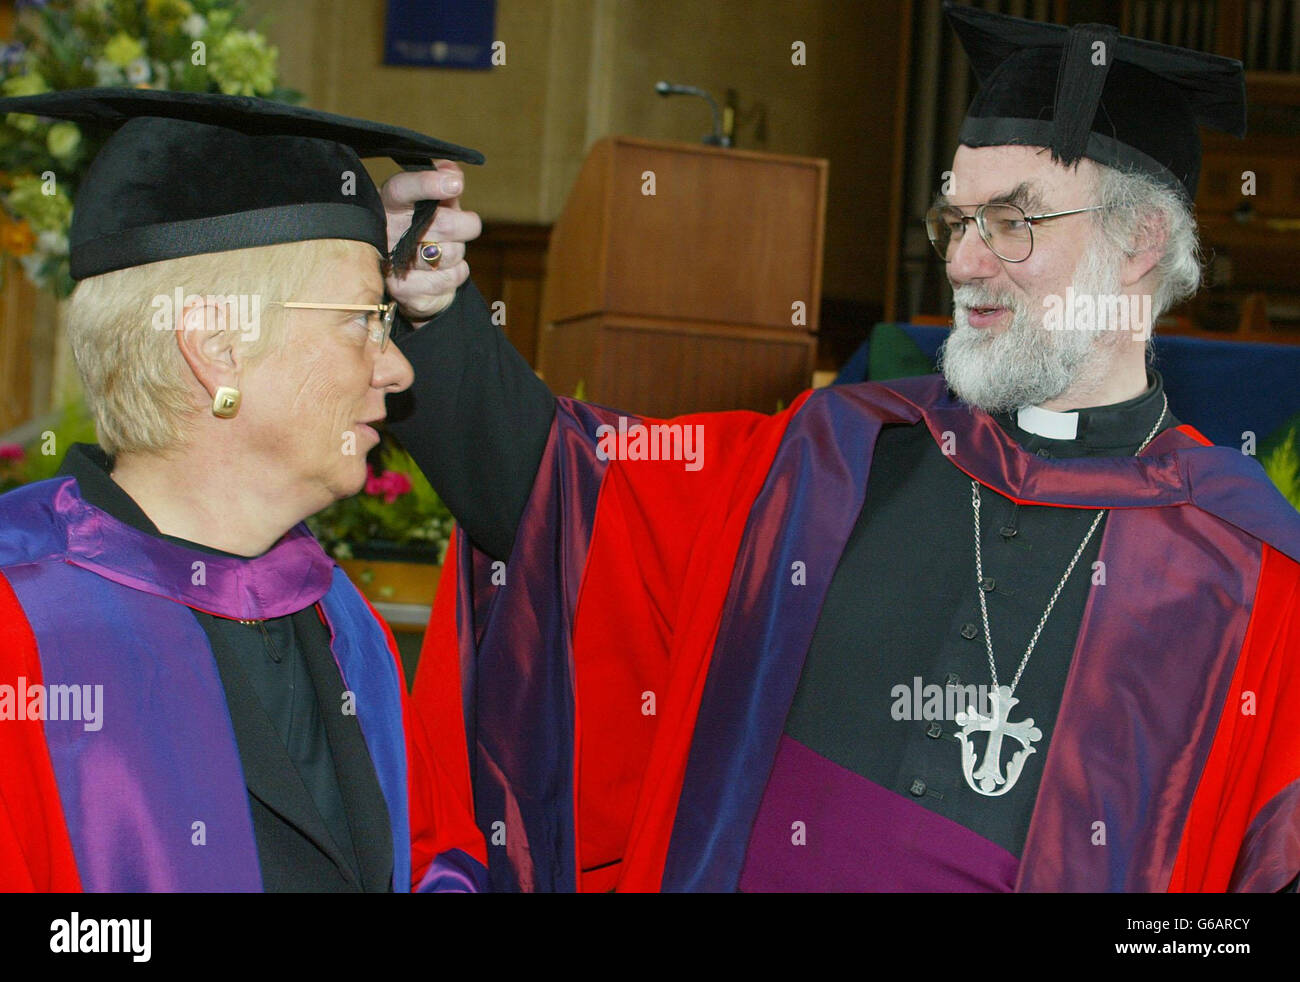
92,468
1097,431
1047,422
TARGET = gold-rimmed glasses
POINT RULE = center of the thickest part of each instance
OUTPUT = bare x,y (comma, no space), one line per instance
379,328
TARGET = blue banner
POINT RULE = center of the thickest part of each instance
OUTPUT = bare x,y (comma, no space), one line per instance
440,33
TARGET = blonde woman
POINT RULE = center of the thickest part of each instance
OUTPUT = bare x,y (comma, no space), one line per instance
193,695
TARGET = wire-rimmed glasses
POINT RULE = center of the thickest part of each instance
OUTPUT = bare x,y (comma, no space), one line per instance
1004,227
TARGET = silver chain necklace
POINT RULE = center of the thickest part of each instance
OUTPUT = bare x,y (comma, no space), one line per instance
988,778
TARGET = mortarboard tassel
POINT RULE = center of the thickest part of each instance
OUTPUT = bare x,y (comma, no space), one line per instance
403,255
1079,82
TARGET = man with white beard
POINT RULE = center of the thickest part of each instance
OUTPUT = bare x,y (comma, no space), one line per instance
1028,365
1027,634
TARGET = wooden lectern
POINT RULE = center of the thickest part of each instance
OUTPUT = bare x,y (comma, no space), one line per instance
685,278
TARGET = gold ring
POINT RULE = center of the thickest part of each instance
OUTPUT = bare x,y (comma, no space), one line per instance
431,253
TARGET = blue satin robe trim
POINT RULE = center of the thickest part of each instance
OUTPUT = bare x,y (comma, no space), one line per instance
454,871
370,672
517,666
804,513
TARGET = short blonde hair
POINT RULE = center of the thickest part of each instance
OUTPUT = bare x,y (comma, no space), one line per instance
134,376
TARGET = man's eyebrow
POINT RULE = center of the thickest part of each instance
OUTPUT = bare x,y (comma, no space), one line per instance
1025,194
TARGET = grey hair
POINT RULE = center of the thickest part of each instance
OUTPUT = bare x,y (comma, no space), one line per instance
1139,208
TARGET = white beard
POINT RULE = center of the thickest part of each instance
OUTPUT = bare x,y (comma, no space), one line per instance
1027,364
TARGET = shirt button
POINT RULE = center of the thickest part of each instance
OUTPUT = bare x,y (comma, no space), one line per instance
917,787
969,630
952,678
987,584
1044,452
934,731
1006,531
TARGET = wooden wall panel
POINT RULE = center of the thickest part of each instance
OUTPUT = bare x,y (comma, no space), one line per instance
659,369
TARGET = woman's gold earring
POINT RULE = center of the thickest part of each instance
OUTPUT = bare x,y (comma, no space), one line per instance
225,404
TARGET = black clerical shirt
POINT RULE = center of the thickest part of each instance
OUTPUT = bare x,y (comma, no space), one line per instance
319,816
903,609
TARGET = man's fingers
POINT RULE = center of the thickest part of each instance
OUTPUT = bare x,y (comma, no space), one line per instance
450,223
403,190
454,226
452,253
423,292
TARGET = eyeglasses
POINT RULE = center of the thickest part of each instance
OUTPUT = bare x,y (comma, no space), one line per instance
380,327
1005,228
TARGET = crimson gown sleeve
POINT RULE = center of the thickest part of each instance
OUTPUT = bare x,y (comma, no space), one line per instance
1243,827
35,849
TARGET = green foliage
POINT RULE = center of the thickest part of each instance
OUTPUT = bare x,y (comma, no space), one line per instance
75,425
1282,465
35,463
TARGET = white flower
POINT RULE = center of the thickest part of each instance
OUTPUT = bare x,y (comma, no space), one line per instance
52,243
108,74
195,25
138,73
32,263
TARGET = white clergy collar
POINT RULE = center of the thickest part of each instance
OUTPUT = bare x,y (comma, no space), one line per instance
1045,422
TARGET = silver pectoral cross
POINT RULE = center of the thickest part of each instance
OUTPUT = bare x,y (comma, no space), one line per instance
988,780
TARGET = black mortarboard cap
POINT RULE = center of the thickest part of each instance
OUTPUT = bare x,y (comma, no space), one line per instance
1128,103
188,173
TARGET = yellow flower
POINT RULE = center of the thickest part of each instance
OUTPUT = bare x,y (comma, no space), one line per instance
63,140
47,212
29,84
242,63
173,10
17,238
122,49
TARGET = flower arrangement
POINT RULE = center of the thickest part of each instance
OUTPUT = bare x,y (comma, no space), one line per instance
186,45
397,507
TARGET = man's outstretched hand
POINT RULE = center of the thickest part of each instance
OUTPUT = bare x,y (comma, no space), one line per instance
423,291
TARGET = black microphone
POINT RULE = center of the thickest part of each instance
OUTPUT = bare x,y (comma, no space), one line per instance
715,139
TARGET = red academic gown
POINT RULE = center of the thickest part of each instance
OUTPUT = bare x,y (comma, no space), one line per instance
624,678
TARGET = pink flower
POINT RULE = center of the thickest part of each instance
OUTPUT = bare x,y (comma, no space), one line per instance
398,485
389,486
11,451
